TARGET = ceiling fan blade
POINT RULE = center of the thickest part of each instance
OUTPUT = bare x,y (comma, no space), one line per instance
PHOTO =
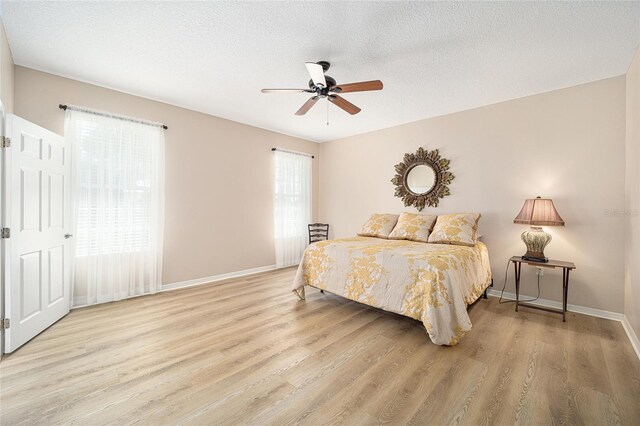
307,105
286,90
362,86
344,104
317,73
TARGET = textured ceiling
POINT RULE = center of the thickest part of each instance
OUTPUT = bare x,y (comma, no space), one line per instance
434,58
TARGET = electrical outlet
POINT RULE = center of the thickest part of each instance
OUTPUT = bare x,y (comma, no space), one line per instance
540,272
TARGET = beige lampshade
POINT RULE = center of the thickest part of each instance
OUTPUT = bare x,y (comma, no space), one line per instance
539,212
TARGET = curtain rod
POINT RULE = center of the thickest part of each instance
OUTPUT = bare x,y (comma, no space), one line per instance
293,152
108,114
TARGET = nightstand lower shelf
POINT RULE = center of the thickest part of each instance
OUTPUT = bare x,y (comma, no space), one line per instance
541,308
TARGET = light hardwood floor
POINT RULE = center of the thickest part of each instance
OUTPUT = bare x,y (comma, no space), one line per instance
248,351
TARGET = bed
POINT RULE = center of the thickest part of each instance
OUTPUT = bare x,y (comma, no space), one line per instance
432,283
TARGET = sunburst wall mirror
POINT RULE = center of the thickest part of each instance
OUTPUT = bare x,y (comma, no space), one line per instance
421,179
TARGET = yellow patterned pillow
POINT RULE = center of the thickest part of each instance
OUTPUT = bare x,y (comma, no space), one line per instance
379,225
459,228
413,227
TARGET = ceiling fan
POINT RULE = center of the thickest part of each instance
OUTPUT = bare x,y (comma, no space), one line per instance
324,86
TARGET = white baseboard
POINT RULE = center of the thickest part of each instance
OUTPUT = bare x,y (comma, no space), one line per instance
632,335
633,338
214,278
558,305
82,302
491,292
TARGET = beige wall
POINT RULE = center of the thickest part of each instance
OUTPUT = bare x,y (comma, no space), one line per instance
6,72
632,201
218,189
568,145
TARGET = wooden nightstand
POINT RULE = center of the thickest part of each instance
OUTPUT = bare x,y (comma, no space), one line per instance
566,267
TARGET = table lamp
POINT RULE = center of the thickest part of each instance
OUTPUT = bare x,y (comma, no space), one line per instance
537,212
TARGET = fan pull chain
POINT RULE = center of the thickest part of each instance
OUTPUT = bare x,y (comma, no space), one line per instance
327,111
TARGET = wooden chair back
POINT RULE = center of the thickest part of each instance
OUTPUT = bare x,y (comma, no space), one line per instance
318,232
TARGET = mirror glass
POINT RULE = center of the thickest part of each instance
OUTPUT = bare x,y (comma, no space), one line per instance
420,179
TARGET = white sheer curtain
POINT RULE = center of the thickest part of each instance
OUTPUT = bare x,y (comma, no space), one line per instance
118,193
292,206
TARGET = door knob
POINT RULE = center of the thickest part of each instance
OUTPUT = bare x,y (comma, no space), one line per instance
67,236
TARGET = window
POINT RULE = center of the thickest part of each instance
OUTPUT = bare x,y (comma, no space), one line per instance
118,197
116,185
292,206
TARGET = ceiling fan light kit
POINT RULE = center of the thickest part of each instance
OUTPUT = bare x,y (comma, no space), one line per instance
324,86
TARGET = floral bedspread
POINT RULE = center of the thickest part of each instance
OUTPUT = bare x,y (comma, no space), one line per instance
433,283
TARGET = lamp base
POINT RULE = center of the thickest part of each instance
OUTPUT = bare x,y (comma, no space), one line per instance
535,258
536,240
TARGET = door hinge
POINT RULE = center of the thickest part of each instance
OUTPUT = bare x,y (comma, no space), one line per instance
6,323
5,142
5,233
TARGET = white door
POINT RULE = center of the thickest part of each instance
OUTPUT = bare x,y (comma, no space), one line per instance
38,211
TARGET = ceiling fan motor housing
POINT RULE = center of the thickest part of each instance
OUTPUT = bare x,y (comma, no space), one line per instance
331,82
323,91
